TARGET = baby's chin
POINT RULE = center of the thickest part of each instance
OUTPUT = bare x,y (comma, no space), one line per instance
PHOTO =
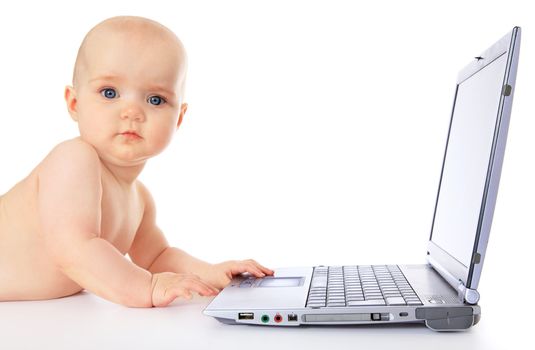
118,152
123,157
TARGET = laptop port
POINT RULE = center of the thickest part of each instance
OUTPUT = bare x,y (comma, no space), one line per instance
246,316
292,318
278,318
265,318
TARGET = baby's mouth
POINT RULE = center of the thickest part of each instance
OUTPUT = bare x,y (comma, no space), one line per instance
130,134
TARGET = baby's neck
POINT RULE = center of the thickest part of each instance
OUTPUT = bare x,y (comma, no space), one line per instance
125,176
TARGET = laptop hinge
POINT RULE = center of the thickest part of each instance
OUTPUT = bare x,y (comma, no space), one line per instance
466,295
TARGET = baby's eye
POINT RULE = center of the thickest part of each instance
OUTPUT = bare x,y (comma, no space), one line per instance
156,100
108,93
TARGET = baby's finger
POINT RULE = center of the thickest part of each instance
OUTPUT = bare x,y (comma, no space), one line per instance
173,293
242,266
197,279
261,267
264,269
200,287
210,287
186,294
251,268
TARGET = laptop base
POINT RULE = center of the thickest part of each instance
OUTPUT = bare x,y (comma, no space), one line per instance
455,318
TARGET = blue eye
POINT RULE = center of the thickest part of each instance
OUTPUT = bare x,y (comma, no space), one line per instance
108,93
156,100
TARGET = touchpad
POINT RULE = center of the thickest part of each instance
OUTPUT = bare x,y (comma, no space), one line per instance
281,282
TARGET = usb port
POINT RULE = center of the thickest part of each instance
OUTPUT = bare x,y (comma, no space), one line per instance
292,318
245,316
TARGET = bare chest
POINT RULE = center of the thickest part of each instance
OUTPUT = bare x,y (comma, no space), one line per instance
121,214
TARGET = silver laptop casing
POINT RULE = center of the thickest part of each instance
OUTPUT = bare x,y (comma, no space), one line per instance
446,287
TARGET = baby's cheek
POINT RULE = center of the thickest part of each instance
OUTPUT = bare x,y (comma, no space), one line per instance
162,137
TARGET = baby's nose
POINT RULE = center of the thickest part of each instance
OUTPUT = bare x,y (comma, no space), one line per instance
133,112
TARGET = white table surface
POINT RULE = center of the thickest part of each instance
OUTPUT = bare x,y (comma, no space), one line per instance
85,321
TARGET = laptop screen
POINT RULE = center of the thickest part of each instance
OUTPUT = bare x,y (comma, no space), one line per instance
468,151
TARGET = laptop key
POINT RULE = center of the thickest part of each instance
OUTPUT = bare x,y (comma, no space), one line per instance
395,301
336,304
320,281
316,305
365,302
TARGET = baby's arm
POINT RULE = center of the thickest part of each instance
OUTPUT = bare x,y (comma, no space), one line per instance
69,205
151,251
150,248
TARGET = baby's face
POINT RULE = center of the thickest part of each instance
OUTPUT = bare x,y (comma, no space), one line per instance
127,95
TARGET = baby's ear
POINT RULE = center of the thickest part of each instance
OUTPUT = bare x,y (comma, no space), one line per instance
183,109
70,98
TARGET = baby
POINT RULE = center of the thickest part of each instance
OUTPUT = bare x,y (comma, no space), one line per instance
69,224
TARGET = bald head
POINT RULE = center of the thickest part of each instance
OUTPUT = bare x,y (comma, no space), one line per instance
140,36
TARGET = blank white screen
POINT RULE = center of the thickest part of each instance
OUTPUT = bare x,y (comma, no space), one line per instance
467,160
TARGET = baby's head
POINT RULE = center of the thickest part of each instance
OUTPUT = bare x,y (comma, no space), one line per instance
128,89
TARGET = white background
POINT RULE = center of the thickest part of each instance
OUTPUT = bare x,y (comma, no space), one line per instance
315,130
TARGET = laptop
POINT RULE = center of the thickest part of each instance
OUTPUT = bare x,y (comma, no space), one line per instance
442,293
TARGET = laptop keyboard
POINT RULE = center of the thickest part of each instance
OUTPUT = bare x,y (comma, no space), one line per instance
362,285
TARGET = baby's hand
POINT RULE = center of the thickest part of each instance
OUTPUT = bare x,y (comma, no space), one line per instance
167,286
220,275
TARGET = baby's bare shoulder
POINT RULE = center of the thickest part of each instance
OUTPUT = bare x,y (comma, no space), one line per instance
71,155
75,147
72,168
70,189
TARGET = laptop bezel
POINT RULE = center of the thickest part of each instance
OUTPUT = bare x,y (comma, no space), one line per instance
470,275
